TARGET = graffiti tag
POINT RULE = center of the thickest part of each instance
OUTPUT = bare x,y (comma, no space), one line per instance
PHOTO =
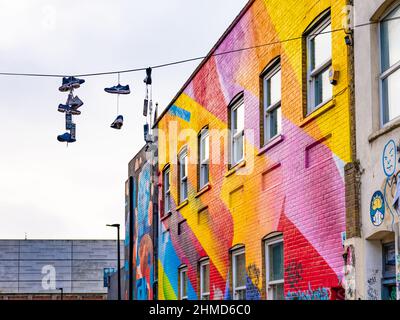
294,270
372,291
309,294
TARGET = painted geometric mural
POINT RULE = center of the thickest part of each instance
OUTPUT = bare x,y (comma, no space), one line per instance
294,185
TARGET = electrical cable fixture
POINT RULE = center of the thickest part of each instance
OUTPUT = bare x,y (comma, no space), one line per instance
190,59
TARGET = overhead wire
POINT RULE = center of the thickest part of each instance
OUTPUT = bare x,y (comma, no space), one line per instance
168,64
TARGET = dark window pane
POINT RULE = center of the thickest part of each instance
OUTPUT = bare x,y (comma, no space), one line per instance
240,276
278,292
276,261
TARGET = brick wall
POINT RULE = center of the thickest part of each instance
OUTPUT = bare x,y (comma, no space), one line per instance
294,186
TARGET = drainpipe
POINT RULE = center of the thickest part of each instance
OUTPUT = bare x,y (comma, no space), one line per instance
397,246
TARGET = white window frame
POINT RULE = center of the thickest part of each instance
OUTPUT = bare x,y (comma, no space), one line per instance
234,287
204,167
167,192
312,74
204,294
183,178
235,136
182,272
272,70
268,282
384,74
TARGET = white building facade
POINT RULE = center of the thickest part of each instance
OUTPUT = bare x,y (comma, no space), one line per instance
373,257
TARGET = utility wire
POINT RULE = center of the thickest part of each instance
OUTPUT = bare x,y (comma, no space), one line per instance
191,59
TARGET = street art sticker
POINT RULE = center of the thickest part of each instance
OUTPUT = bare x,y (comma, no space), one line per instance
390,185
389,158
377,208
263,189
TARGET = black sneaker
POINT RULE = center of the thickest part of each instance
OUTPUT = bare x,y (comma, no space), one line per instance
66,108
118,89
69,83
147,80
74,102
118,122
66,137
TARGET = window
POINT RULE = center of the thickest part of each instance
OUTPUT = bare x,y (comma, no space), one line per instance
319,61
390,65
389,272
239,274
237,132
204,153
272,101
183,175
205,280
274,268
166,190
183,281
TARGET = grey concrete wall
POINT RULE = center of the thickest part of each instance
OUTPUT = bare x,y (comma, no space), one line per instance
78,265
113,286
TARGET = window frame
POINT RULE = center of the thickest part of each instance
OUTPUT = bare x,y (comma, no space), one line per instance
269,284
183,270
385,74
203,263
270,71
234,136
183,180
235,253
166,193
312,74
204,134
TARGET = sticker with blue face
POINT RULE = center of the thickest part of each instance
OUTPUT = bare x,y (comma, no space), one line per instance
389,158
377,209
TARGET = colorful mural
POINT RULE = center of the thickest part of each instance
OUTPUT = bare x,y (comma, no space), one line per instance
127,243
294,185
143,234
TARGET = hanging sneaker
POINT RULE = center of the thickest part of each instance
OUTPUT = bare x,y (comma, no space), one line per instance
69,83
118,122
73,131
147,80
74,102
68,121
66,137
118,89
66,108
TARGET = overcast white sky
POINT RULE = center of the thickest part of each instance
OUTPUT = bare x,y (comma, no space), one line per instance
46,189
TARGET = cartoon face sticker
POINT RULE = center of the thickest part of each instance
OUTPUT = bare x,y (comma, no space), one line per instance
377,209
389,158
